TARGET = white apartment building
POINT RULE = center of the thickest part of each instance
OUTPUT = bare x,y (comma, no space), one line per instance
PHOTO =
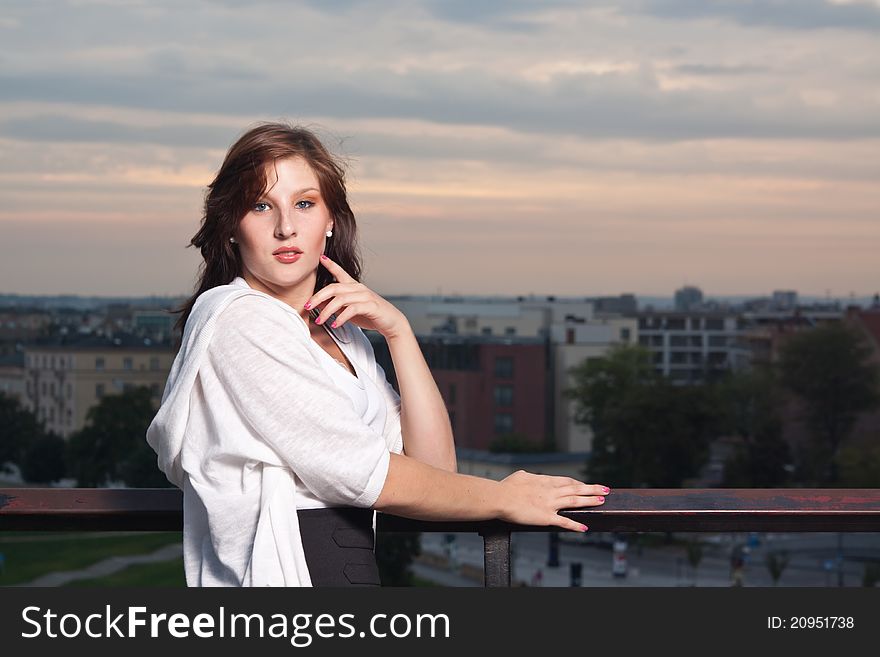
693,347
574,341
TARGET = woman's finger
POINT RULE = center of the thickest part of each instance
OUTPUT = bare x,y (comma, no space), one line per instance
325,292
568,523
581,489
336,269
349,312
334,305
347,299
575,501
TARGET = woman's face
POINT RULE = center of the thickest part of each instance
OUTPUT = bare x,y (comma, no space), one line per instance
291,213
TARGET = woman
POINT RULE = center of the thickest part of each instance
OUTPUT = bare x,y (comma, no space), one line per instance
284,433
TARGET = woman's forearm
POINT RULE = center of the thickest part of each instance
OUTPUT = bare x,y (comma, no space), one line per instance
424,420
414,489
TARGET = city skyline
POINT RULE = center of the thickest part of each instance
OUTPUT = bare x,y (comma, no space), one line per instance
637,147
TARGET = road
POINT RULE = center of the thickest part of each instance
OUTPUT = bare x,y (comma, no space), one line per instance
812,560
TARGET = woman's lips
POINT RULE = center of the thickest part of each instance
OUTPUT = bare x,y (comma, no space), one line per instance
287,256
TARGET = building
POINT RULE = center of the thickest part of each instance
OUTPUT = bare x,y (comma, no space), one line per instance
498,466
63,381
688,298
693,347
624,304
474,316
574,341
492,386
501,364
158,325
23,325
12,375
766,329
784,299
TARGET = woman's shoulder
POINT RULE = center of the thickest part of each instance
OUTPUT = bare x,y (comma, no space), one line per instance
257,311
230,312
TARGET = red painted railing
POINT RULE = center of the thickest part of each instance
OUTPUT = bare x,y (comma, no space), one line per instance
625,510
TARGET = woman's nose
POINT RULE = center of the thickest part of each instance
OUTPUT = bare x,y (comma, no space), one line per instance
284,225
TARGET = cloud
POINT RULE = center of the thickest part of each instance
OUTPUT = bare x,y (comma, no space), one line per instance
629,78
59,129
645,133
512,15
720,69
581,104
785,14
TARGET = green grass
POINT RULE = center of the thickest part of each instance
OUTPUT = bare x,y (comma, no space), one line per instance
165,573
418,581
29,555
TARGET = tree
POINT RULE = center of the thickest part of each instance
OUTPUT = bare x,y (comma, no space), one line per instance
694,548
829,370
871,574
776,563
660,435
598,382
395,552
140,468
111,446
600,385
646,431
860,466
43,460
751,402
18,428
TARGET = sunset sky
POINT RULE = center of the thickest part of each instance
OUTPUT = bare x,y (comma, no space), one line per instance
502,147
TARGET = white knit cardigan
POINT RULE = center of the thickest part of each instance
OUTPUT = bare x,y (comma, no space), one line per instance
248,412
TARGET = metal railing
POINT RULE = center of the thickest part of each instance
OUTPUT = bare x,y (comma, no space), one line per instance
625,510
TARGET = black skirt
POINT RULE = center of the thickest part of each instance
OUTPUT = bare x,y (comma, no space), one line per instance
339,546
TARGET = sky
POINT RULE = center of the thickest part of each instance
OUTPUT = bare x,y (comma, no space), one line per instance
495,147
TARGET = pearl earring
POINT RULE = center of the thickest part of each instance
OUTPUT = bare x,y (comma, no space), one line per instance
232,239
329,233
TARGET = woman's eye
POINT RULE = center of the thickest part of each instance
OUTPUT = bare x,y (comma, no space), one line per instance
310,204
260,207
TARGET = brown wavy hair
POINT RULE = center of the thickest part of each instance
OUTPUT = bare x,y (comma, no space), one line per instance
240,182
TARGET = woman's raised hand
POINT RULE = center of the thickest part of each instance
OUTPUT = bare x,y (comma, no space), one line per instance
358,303
533,499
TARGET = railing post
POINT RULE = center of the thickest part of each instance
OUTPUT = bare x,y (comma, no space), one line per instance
496,557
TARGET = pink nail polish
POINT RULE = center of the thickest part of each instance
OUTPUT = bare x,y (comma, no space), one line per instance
585,528
323,257
318,321
307,306
606,490
333,325
601,499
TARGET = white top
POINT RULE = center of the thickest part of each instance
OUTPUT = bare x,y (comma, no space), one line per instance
256,421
